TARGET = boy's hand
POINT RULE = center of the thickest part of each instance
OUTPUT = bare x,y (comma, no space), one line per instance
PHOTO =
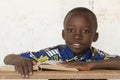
24,67
78,65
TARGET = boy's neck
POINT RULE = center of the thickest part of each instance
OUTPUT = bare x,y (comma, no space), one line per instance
89,50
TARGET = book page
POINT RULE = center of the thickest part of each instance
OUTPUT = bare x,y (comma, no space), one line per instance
53,66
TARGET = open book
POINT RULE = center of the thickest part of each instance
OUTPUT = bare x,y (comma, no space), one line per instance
51,65
48,65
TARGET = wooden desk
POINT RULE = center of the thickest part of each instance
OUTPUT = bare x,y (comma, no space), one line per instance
95,74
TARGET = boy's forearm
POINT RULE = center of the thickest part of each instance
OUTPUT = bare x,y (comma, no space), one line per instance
107,64
11,59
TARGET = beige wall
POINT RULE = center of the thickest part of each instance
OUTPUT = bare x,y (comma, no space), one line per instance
30,25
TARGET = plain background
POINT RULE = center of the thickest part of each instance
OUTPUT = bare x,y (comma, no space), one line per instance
31,25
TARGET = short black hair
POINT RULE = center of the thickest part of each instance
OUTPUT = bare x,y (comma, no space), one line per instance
83,10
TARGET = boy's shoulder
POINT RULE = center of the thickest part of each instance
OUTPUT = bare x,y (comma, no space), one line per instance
58,47
98,52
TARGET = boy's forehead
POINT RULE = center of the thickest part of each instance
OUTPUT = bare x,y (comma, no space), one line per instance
79,15
84,13
76,16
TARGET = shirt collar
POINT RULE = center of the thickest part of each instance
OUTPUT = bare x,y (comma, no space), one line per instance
68,54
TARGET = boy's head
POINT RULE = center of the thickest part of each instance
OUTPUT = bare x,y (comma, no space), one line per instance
80,27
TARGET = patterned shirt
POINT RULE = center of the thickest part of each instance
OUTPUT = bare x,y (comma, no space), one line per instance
63,53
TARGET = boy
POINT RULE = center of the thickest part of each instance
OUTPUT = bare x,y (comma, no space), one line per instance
79,32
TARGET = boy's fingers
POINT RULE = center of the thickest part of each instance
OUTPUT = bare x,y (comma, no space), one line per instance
26,72
21,71
24,68
16,68
30,68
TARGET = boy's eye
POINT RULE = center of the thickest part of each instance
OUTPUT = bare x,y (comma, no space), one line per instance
85,31
70,30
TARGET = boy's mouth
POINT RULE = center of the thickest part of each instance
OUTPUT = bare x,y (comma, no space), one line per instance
76,45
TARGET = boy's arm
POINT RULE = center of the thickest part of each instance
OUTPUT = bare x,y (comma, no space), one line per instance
102,64
23,66
113,63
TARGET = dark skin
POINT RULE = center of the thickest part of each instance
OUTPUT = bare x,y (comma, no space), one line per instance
23,66
79,33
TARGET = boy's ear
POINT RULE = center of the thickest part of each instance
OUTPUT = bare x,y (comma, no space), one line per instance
63,34
95,37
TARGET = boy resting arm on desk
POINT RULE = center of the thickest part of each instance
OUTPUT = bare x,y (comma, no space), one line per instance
80,30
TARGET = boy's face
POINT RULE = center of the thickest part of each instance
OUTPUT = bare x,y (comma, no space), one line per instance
79,33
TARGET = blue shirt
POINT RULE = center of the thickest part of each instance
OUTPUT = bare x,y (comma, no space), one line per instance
63,53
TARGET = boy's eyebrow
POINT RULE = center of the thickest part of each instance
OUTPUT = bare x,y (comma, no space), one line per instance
69,27
85,28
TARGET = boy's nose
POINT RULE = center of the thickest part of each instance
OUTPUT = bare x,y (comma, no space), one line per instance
78,36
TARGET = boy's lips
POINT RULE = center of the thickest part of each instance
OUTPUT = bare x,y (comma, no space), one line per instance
77,45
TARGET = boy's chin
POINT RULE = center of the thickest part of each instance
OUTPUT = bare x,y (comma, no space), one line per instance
78,52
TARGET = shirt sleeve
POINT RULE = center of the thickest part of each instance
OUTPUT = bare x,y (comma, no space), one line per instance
109,56
43,55
33,55
100,55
